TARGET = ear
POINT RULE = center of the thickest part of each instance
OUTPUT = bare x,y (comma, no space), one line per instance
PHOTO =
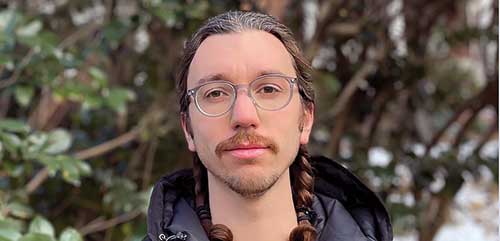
307,123
185,123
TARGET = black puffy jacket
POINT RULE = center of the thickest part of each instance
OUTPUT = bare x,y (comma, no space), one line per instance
346,209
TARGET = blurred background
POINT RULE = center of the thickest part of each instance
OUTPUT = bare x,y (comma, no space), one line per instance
407,98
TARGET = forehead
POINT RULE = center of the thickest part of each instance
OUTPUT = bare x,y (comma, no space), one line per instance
240,57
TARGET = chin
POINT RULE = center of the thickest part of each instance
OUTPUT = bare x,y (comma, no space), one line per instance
251,183
250,187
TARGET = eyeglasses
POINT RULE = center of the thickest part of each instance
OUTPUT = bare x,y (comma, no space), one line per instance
268,92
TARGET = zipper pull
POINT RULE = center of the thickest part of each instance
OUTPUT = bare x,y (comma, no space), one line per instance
178,236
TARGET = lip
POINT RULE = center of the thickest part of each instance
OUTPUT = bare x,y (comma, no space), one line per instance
244,147
247,151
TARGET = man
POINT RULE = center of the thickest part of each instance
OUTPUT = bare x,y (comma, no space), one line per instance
247,109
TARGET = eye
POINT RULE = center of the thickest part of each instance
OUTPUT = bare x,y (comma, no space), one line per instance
269,89
215,94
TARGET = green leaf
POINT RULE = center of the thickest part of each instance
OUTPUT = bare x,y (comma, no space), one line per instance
9,224
198,10
333,85
23,95
7,44
68,59
11,139
92,102
4,59
1,151
16,224
16,170
45,41
36,237
123,195
76,91
70,234
41,225
31,29
9,235
51,162
114,32
14,125
117,98
100,79
9,231
8,20
11,142
59,140
48,41
37,141
166,11
2,238
71,168
20,210
70,171
152,3
83,168
35,144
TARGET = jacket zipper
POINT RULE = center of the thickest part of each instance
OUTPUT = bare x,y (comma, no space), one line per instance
178,236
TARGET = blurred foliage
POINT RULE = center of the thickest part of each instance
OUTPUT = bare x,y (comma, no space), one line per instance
89,116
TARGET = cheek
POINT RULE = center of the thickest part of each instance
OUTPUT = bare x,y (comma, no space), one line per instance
207,132
199,128
287,126
288,137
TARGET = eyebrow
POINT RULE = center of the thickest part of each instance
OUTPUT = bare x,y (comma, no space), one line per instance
212,77
222,76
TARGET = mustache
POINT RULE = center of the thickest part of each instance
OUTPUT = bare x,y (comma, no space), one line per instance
245,137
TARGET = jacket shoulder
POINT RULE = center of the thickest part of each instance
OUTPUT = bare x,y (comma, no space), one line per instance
363,205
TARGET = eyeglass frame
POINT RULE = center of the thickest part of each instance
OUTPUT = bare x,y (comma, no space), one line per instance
292,81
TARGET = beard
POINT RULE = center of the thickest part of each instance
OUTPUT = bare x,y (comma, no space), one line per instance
249,186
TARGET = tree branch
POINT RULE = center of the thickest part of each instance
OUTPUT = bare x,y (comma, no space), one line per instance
443,130
368,67
106,224
487,96
373,120
492,130
100,149
146,175
337,131
434,217
327,13
79,34
470,119
15,76
135,160
4,103
109,145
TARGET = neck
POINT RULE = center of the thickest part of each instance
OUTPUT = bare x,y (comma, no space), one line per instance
269,217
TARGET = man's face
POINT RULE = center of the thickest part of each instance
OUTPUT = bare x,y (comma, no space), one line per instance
247,148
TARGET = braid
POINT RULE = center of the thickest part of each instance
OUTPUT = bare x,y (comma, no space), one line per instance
200,187
217,232
303,185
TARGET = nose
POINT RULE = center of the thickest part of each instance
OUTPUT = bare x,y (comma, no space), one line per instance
244,113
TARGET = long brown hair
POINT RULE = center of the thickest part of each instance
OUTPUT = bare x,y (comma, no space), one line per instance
300,170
